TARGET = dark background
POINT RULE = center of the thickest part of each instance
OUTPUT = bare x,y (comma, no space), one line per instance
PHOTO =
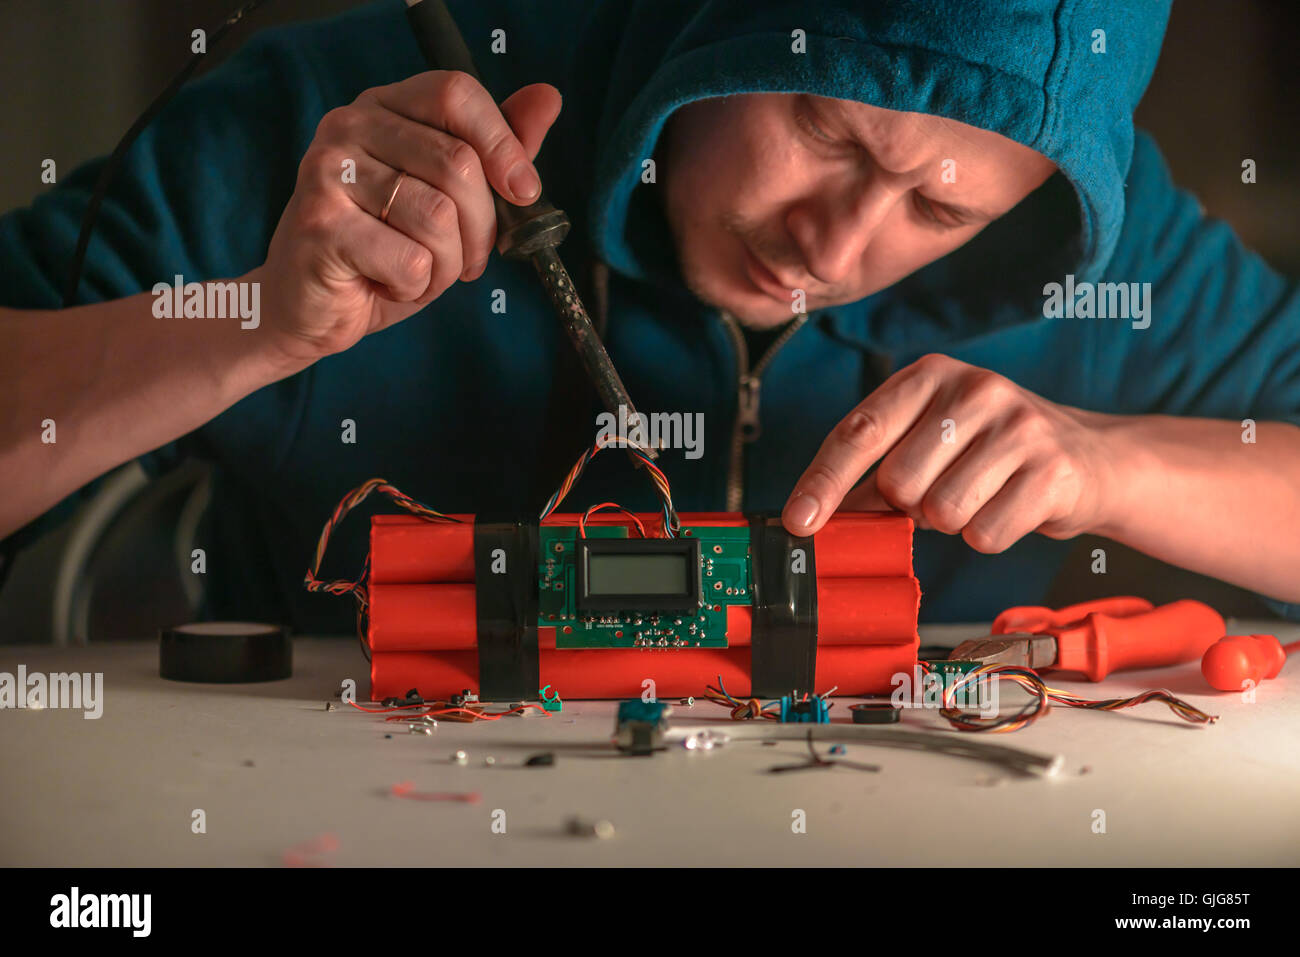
76,73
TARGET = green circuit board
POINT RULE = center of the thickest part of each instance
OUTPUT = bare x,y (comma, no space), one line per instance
724,577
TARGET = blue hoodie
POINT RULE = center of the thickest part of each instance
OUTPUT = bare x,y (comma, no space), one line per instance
455,405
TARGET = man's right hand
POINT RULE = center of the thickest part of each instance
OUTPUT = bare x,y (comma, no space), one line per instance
334,272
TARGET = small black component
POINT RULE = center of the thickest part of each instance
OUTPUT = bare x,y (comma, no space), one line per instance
544,760
640,574
875,712
391,702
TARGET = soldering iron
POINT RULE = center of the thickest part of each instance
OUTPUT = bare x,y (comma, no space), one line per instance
530,232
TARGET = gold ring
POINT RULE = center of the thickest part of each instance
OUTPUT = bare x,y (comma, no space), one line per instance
383,216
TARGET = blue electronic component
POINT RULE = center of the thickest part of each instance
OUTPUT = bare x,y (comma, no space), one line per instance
640,726
813,710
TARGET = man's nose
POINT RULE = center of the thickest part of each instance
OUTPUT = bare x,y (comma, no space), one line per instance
834,227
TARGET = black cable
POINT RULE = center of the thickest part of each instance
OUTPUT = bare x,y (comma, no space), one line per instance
8,555
119,153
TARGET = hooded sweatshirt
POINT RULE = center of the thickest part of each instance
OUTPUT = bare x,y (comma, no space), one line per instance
472,409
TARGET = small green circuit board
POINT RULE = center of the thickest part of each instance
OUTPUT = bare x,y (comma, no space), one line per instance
724,580
950,671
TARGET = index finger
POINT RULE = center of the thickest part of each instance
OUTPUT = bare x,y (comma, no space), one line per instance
458,104
861,438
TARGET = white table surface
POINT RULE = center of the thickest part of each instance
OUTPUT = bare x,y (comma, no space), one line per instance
271,769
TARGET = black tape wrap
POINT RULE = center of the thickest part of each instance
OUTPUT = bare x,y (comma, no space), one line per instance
506,607
783,653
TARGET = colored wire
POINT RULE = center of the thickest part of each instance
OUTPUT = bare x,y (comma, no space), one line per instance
582,520
1042,696
357,587
740,710
672,524
445,709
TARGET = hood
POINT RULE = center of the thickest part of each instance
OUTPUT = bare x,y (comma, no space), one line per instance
1025,69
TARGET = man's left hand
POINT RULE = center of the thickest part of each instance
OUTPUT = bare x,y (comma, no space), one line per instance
964,451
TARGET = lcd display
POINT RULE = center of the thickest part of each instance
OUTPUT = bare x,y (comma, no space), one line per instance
638,574
628,574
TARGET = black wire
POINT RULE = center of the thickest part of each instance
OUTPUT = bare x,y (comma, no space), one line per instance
115,161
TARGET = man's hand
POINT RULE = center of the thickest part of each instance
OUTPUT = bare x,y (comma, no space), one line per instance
965,451
335,272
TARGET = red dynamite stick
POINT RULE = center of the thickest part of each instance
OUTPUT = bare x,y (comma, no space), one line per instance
850,611
442,617
405,549
619,672
864,545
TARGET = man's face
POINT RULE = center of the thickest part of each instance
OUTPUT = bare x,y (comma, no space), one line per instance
767,193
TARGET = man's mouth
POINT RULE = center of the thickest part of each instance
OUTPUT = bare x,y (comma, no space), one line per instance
762,278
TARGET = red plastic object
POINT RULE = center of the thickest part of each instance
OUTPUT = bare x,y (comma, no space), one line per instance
423,615
1115,634
1234,660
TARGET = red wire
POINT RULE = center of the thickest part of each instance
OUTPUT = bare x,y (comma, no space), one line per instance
582,521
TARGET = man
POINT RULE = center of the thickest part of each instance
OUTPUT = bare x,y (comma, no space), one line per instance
917,236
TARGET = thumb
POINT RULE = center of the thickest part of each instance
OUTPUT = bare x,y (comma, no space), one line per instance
530,111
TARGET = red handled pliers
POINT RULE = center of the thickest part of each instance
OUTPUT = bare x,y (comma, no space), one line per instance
1097,637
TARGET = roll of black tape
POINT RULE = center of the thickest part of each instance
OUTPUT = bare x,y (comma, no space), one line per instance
874,712
225,652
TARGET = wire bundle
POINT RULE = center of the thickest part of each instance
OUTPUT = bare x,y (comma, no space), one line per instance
1042,696
672,524
752,708
357,588
582,520
447,711
740,710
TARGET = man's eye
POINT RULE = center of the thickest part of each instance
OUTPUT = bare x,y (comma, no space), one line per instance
805,120
927,211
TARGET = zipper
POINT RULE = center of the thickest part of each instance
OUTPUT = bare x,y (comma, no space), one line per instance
749,382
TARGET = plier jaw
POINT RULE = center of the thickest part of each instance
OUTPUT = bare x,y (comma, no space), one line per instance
1021,649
